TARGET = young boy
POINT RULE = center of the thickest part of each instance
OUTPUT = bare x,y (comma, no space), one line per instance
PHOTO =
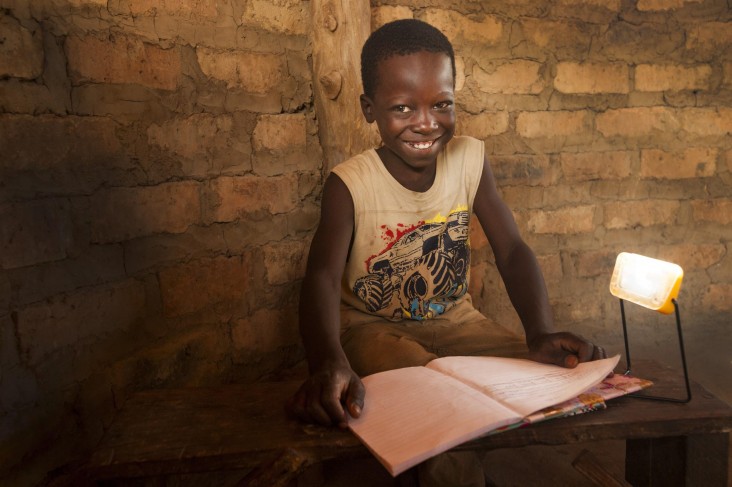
387,275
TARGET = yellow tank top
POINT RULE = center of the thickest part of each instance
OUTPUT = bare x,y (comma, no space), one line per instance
410,257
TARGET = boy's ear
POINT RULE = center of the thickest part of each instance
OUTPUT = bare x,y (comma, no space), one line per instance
367,108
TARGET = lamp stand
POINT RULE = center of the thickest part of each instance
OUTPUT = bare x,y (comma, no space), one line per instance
681,348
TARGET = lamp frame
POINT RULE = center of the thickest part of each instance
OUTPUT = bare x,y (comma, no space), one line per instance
681,349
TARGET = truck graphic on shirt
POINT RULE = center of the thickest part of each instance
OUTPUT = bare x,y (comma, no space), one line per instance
421,271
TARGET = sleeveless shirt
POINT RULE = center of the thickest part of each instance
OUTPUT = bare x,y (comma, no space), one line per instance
410,256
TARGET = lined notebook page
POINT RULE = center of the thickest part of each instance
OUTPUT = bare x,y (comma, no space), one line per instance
523,385
415,413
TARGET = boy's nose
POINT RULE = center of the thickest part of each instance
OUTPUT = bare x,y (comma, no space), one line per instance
425,121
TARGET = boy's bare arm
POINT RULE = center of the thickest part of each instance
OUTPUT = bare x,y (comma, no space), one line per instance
332,382
524,282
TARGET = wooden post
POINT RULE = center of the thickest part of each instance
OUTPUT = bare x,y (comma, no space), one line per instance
339,29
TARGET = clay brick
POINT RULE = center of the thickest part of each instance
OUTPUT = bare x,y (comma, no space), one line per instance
478,240
637,122
652,77
265,331
513,77
595,263
198,9
483,125
122,59
693,256
717,297
21,50
143,254
646,213
475,283
535,170
591,78
303,220
613,5
84,316
590,166
69,143
98,264
551,268
253,72
235,197
572,310
655,5
221,282
555,35
552,124
457,27
35,232
285,261
707,121
82,3
712,36
204,143
727,73
120,214
689,163
192,136
290,17
280,132
459,73
714,211
578,219
386,13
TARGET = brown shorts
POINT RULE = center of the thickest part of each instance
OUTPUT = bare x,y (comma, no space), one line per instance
373,344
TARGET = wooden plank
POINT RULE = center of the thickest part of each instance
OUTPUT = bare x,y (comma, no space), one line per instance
240,426
339,29
656,461
589,466
209,429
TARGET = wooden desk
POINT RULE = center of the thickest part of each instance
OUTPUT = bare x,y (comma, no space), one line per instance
243,426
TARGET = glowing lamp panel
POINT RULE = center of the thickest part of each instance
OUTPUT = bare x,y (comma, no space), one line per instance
648,282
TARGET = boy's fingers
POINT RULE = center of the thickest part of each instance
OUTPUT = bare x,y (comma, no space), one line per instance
356,394
570,361
330,399
305,405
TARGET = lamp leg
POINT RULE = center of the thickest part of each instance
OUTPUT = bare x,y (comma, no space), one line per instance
625,337
683,358
681,349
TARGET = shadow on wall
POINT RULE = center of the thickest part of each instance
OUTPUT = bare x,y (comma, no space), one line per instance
158,190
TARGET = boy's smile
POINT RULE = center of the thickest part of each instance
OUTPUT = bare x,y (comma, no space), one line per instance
413,107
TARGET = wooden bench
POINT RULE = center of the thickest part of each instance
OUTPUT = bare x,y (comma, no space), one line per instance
243,427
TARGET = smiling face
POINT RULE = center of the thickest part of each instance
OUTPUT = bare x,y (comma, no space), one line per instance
413,107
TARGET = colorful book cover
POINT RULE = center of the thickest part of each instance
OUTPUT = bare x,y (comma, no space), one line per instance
591,400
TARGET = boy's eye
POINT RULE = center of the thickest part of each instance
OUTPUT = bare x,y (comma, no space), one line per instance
443,105
401,108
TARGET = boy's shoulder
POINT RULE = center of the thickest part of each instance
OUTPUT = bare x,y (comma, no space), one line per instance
464,141
364,159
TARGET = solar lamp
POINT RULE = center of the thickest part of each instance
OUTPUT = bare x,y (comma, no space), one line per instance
652,284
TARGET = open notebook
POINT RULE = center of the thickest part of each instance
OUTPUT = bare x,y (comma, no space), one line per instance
414,413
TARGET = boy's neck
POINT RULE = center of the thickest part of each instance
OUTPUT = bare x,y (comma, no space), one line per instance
419,181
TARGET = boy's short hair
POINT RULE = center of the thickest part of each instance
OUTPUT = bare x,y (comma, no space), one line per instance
400,38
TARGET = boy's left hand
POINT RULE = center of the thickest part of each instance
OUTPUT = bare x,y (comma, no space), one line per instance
564,349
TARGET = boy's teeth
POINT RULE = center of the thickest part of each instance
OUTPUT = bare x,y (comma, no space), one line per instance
421,145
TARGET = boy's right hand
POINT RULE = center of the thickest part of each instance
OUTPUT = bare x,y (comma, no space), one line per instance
327,396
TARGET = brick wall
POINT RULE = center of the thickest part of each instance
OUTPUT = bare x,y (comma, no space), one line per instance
159,177
160,172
